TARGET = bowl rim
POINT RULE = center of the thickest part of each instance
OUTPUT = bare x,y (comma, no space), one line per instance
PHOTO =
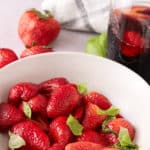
81,54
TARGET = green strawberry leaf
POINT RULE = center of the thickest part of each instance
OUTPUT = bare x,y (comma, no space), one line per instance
40,15
27,110
82,88
97,45
125,142
74,125
15,141
48,13
112,111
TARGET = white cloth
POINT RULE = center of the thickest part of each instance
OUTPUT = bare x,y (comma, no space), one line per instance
82,15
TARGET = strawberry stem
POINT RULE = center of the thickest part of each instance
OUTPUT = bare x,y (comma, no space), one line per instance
48,13
41,15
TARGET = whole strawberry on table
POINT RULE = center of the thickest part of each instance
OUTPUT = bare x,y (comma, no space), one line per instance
59,115
36,30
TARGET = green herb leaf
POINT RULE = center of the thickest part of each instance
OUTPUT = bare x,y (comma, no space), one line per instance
74,125
82,88
105,129
27,110
125,142
15,141
97,45
124,137
112,111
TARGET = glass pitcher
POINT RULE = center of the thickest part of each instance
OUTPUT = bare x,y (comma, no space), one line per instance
129,35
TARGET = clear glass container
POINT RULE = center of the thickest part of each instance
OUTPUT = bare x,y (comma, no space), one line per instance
129,35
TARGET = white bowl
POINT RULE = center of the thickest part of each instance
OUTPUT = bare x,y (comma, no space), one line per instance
123,87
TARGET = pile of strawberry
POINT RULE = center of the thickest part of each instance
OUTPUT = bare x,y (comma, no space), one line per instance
59,115
36,30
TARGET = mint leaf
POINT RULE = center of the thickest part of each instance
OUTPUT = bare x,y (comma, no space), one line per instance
124,137
15,141
97,45
112,111
74,125
125,142
82,88
27,110
105,129
103,42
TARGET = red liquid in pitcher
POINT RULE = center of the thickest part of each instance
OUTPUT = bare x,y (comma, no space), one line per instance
129,39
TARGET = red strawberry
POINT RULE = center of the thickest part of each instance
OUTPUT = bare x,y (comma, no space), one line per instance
37,28
110,138
98,99
83,146
92,136
34,137
46,87
133,44
79,112
108,148
57,146
9,115
38,104
62,101
42,122
59,131
7,56
22,91
91,119
35,50
117,123
119,116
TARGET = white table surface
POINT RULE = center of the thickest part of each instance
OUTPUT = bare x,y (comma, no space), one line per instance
10,12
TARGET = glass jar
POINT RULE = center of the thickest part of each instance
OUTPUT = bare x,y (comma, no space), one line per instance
129,35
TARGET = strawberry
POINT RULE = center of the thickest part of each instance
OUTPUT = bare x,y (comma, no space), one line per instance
117,123
62,101
97,99
92,136
41,121
133,44
38,104
110,138
34,137
36,28
22,91
7,56
59,131
119,116
79,113
57,146
83,146
108,148
35,50
9,115
46,87
91,119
